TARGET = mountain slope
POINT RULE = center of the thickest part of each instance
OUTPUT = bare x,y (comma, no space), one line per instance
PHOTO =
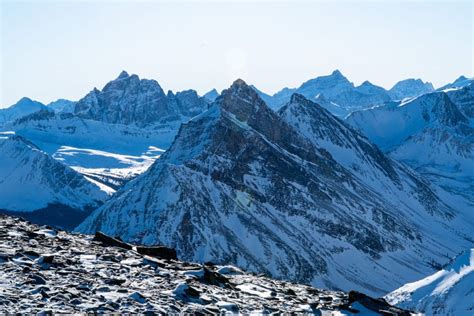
31,181
240,185
108,153
62,106
23,107
430,133
446,292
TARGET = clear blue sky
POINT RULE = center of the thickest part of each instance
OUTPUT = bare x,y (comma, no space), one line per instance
63,49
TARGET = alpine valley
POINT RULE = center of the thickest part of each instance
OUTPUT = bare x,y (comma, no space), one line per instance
332,185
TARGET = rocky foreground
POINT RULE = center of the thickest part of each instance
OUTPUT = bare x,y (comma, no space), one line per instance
46,270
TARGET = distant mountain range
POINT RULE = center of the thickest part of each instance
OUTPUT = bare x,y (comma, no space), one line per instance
433,133
279,184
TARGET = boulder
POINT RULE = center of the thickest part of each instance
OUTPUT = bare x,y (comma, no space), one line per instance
110,241
159,252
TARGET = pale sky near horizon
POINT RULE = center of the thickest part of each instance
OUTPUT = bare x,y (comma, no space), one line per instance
63,49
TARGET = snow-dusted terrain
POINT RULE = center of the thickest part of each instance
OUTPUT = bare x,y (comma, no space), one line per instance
410,88
242,184
44,270
434,133
32,182
23,107
297,193
114,134
449,291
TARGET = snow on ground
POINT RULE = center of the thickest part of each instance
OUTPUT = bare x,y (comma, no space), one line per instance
449,291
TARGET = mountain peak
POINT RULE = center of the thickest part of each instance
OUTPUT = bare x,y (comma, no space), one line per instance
238,83
241,100
24,99
337,73
297,98
123,75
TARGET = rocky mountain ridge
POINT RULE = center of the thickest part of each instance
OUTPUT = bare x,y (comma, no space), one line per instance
240,184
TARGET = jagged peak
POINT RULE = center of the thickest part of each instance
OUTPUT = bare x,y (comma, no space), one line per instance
298,98
337,72
367,83
213,90
240,89
239,83
123,75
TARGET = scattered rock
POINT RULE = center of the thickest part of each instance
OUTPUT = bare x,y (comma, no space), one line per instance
138,297
37,279
376,305
84,277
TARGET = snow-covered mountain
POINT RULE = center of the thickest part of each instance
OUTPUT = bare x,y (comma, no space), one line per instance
449,291
430,133
334,92
410,88
23,107
142,102
242,184
460,82
114,134
62,106
108,153
38,187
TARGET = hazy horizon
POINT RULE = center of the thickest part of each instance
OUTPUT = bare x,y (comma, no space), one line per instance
53,50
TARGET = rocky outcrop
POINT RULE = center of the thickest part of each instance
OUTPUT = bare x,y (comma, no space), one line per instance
43,270
131,100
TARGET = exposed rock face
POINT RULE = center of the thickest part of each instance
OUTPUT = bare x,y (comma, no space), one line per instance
131,100
242,184
44,270
410,88
36,185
